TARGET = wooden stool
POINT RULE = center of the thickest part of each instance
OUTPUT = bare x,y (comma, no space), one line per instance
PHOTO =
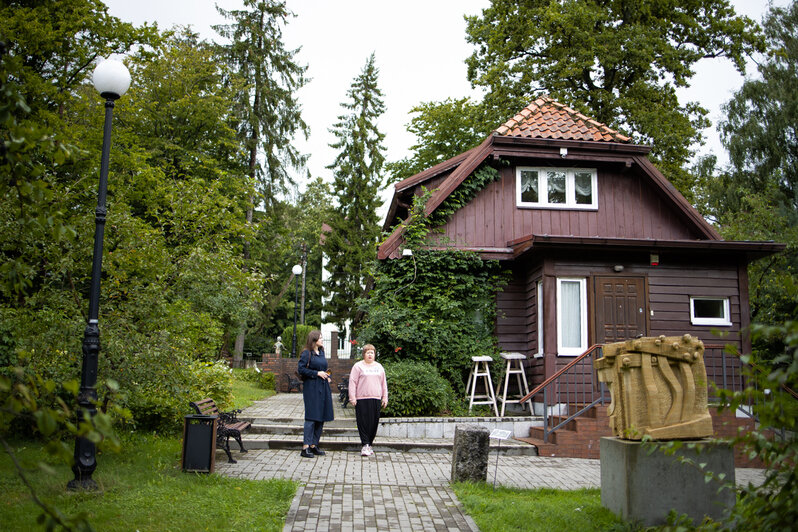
481,369
515,366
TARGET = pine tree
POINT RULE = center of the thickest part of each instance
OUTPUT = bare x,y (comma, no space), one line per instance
268,112
352,243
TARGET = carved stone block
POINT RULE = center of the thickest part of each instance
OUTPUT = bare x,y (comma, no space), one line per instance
658,388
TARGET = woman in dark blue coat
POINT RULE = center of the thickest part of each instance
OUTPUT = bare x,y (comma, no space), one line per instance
316,393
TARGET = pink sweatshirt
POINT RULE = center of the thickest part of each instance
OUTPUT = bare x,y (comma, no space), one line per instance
367,381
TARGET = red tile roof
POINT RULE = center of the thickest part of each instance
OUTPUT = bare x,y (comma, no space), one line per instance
546,119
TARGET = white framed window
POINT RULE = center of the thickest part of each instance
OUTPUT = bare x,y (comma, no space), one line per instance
539,353
571,316
710,311
556,188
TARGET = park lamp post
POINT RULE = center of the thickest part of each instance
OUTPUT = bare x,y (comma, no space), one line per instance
111,79
297,271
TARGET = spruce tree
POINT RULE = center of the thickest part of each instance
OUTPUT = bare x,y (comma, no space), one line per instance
351,245
268,112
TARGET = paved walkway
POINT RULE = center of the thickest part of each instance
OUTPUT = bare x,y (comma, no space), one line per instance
393,490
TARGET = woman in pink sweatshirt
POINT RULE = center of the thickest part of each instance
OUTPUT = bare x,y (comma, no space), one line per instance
368,393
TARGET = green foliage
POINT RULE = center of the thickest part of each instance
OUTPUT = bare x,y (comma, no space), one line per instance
302,332
463,194
351,244
443,130
158,392
267,75
262,379
144,488
774,504
416,389
759,130
436,306
756,197
32,405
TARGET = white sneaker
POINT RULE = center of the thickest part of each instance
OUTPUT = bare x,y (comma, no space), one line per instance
371,451
365,451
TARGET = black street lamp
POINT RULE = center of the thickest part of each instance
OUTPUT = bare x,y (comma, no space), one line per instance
296,270
111,79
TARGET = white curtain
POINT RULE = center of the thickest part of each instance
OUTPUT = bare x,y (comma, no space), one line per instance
583,184
571,314
529,186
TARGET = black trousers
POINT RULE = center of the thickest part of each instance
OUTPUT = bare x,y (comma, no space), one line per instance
367,414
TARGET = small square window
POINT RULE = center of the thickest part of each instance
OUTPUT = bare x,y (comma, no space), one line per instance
709,311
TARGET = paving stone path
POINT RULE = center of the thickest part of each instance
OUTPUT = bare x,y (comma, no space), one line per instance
400,491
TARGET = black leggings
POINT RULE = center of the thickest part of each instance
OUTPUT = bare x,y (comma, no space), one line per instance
367,414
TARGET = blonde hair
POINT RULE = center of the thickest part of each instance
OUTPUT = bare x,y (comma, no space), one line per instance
369,347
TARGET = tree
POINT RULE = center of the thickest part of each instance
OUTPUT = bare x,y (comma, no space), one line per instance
351,245
443,130
618,62
762,117
268,112
756,198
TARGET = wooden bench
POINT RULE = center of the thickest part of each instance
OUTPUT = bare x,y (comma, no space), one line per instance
227,425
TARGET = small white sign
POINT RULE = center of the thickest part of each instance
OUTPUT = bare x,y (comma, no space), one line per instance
500,434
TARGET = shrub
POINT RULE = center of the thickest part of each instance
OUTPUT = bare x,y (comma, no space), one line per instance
416,389
262,379
302,332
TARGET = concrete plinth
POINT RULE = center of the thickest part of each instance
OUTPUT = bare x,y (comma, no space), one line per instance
644,487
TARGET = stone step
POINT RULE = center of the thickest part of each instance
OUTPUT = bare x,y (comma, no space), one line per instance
294,429
510,447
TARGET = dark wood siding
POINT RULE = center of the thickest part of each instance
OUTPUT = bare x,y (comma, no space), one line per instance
669,287
627,208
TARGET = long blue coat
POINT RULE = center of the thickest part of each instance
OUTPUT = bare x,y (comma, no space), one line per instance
315,391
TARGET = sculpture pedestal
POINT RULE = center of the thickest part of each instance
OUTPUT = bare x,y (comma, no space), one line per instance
644,487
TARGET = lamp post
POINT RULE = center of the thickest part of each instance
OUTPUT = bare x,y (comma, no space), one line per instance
296,270
111,79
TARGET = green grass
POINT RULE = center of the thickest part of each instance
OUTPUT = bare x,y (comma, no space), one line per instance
143,488
506,509
245,392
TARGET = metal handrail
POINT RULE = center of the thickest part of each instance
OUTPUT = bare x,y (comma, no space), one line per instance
582,388
586,394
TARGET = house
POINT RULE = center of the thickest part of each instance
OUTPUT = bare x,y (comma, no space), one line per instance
600,245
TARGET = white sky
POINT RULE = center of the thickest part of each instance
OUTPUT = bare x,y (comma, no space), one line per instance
420,49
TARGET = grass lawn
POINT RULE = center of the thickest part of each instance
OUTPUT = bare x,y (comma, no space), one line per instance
143,488
540,509
245,393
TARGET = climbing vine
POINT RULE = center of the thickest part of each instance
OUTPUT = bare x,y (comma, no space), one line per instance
464,193
436,306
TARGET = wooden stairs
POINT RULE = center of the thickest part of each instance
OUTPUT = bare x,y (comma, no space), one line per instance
581,436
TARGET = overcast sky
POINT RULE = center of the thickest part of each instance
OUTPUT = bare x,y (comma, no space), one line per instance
420,49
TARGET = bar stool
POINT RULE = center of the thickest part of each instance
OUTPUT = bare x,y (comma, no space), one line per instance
481,369
515,366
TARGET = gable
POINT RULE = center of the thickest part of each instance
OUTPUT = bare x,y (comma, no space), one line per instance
634,201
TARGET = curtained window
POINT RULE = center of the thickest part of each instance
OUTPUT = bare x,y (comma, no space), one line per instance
571,316
556,188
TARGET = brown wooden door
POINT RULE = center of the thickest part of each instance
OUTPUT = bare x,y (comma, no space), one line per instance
620,308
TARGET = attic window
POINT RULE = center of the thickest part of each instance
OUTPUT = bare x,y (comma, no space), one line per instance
556,188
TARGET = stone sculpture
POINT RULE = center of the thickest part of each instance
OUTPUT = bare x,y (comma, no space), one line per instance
658,388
